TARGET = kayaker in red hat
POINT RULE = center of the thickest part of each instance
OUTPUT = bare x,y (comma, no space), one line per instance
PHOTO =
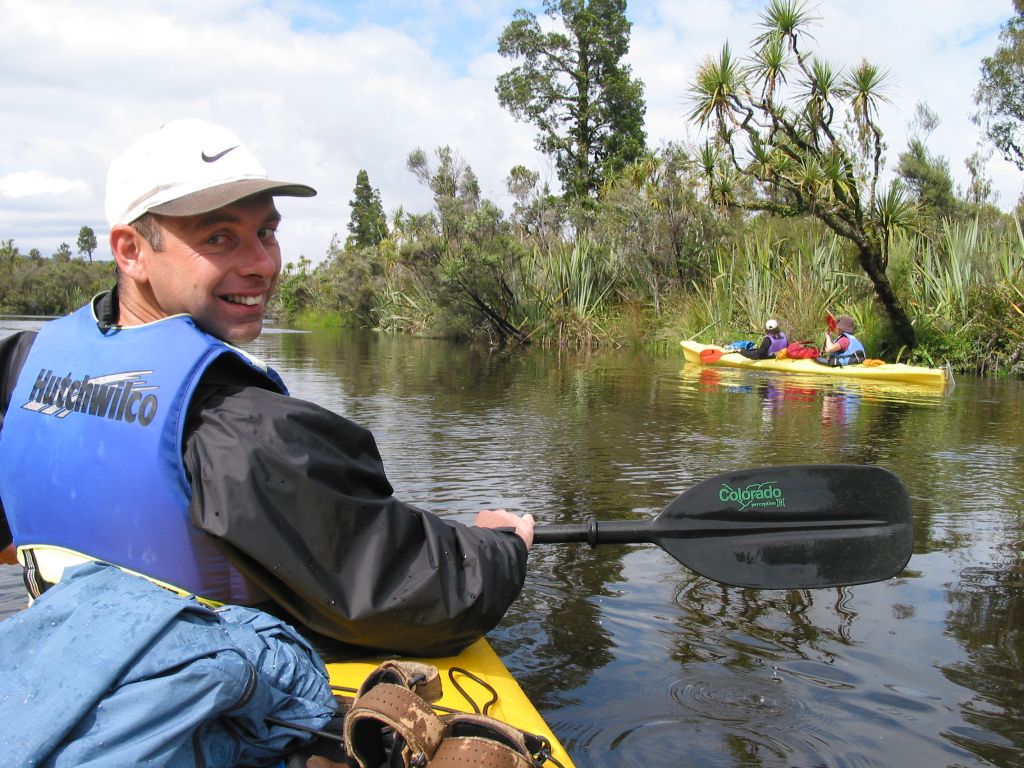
844,348
135,432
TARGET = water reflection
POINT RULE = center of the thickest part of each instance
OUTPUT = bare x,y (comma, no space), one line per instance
636,661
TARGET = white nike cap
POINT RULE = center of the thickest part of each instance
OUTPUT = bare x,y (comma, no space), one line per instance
184,168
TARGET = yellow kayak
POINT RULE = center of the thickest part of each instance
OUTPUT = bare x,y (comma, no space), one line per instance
479,660
896,372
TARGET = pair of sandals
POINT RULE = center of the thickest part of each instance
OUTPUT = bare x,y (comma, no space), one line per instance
392,724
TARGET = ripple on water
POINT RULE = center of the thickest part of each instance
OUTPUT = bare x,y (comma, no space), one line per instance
762,720
739,699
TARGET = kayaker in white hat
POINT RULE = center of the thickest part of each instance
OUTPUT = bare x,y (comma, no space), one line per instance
773,341
135,433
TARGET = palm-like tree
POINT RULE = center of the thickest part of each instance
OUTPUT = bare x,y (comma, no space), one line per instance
787,139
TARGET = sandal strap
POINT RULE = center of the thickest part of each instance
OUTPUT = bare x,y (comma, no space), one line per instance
390,698
483,741
421,678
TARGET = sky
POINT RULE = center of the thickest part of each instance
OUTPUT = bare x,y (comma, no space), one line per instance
319,89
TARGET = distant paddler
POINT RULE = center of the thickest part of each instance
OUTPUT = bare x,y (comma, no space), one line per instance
774,341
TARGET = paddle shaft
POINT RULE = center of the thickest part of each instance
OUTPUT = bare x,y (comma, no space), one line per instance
596,532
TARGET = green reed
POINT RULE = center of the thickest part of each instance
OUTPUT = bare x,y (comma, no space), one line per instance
565,291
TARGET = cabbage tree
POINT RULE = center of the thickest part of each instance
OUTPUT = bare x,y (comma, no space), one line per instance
795,135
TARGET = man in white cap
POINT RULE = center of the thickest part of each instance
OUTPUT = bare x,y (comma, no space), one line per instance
133,432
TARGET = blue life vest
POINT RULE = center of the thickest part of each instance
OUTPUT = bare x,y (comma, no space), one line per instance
91,451
854,352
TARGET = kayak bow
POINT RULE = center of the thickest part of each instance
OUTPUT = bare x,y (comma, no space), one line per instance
474,681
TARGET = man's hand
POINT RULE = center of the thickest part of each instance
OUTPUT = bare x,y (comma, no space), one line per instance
499,518
8,555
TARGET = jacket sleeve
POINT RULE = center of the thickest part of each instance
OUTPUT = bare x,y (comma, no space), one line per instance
299,497
13,351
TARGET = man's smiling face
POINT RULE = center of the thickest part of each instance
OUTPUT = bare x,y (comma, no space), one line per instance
219,267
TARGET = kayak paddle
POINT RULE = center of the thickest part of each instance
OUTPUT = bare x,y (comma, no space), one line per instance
709,356
787,527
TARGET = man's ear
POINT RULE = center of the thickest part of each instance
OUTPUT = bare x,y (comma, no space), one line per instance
127,246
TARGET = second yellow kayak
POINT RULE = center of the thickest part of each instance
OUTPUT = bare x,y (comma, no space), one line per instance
898,372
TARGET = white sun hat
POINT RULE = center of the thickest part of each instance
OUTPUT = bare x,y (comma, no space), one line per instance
771,325
184,168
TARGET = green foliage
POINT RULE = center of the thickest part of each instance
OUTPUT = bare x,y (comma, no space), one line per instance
341,291
566,292
929,179
964,261
63,253
86,241
8,253
367,225
926,176
571,83
37,286
536,213
1000,94
586,291
979,189
459,256
652,215
790,278
961,287
804,135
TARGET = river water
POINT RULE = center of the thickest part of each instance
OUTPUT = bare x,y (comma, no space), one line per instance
634,660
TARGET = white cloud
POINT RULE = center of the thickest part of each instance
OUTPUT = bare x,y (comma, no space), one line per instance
319,90
35,183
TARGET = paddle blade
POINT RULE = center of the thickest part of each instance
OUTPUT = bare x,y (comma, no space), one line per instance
831,320
791,527
709,356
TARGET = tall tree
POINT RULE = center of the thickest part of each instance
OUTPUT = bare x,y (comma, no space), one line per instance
784,148
63,253
466,252
653,216
571,83
86,241
979,190
8,252
1000,95
368,225
926,175
536,212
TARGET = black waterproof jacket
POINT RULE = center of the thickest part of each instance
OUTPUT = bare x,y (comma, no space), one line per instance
299,500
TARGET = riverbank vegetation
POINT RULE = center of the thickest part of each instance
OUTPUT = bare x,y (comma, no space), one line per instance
787,209
784,211
33,285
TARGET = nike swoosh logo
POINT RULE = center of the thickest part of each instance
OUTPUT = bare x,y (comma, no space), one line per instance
214,158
